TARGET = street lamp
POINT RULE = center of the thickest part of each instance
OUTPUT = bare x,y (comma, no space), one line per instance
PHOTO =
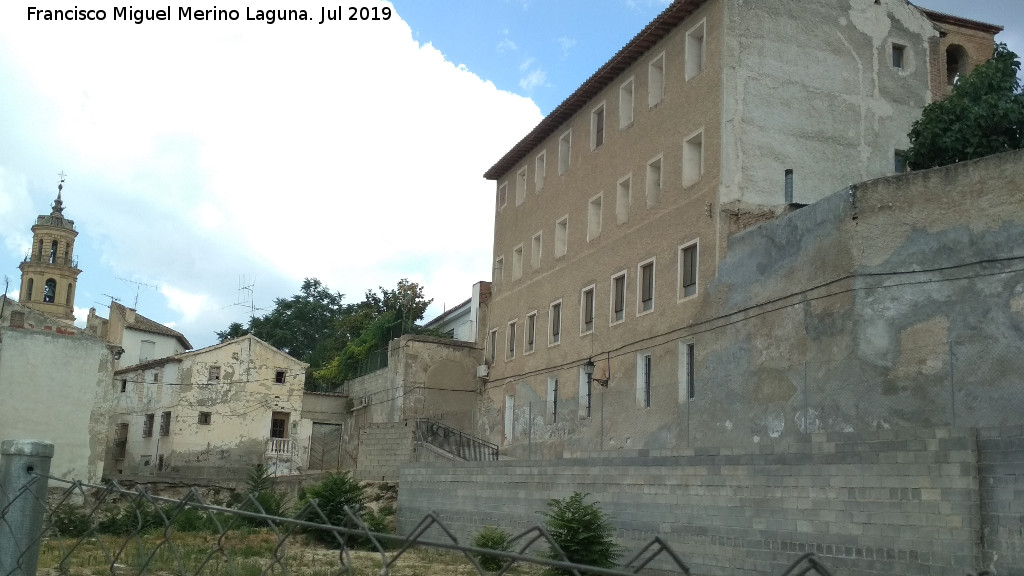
588,369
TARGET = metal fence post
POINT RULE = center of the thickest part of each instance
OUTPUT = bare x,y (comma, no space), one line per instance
22,503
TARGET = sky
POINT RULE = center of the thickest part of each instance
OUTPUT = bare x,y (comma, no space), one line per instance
211,166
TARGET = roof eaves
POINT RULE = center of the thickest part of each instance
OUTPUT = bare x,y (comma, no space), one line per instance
658,28
943,18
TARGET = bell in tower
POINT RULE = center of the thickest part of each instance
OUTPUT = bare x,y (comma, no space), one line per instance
49,272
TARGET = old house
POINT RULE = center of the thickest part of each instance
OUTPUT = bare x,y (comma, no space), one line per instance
209,413
616,214
141,338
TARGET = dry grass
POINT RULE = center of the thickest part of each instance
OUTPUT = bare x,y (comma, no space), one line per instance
250,554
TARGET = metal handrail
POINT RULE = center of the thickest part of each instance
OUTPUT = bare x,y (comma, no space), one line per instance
454,441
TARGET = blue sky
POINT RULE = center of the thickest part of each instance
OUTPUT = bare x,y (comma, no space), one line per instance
205,156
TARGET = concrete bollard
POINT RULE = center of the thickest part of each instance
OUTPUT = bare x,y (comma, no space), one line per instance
22,503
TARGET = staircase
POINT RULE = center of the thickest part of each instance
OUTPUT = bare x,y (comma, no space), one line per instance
454,442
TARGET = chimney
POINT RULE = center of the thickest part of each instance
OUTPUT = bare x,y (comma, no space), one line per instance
129,315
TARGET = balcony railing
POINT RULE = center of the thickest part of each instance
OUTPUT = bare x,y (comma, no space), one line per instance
279,446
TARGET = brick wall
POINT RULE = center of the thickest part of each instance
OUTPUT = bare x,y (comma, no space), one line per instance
382,448
873,503
1001,482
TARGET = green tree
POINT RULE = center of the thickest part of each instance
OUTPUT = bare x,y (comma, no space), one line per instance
984,115
333,495
582,531
235,330
303,323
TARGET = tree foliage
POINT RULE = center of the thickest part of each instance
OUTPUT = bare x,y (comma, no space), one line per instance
582,531
984,115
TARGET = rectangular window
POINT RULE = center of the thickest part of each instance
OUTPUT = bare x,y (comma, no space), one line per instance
147,425
623,191
643,379
653,182
553,398
561,237
502,195
165,424
124,385
512,339
214,374
531,331
645,293
205,418
626,104
898,53
517,262
279,424
695,50
535,251
494,344
280,377
693,158
539,167
555,323
656,80
521,186
587,310
564,151
597,127
594,218
155,376
618,307
687,270
584,395
900,162
687,388
499,268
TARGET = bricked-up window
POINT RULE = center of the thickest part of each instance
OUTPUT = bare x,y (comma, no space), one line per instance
695,47
517,262
656,80
619,298
626,103
147,425
205,418
693,158
499,269
688,270
594,216
280,377
587,310
214,374
535,251
512,339
494,344
555,323
561,237
279,425
898,55
564,152
539,167
646,293
165,423
521,186
653,182
531,331
17,319
623,191
502,195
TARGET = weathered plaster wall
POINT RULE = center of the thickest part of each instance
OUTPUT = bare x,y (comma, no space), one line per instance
905,502
811,86
895,304
52,380
241,404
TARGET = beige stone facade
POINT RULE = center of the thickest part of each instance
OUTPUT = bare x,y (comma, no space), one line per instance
613,216
50,271
209,413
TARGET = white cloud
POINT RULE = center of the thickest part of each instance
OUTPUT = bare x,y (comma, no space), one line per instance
533,79
567,45
525,65
281,151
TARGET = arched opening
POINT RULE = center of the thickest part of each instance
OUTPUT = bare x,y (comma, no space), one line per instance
69,298
53,252
40,250
28,290
50,291
956,63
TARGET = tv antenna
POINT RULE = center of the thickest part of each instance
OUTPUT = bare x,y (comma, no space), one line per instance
138,287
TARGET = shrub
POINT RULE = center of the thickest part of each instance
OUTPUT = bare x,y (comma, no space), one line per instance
261,487
492,538
582,531
333,495
70,521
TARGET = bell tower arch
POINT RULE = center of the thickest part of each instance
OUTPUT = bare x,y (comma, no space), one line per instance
49,273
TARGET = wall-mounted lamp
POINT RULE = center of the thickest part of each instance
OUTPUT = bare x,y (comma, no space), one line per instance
588,369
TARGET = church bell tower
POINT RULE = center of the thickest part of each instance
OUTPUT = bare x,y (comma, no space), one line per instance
49,273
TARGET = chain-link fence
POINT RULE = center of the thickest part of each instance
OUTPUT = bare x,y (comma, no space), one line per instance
54,526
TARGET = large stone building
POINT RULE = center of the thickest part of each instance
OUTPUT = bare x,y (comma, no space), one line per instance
614,216
50,271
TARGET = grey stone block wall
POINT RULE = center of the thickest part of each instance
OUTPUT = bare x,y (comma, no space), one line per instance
1001,482
873,503
382,448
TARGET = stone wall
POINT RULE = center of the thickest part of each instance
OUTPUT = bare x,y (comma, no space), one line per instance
872,503
382,448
